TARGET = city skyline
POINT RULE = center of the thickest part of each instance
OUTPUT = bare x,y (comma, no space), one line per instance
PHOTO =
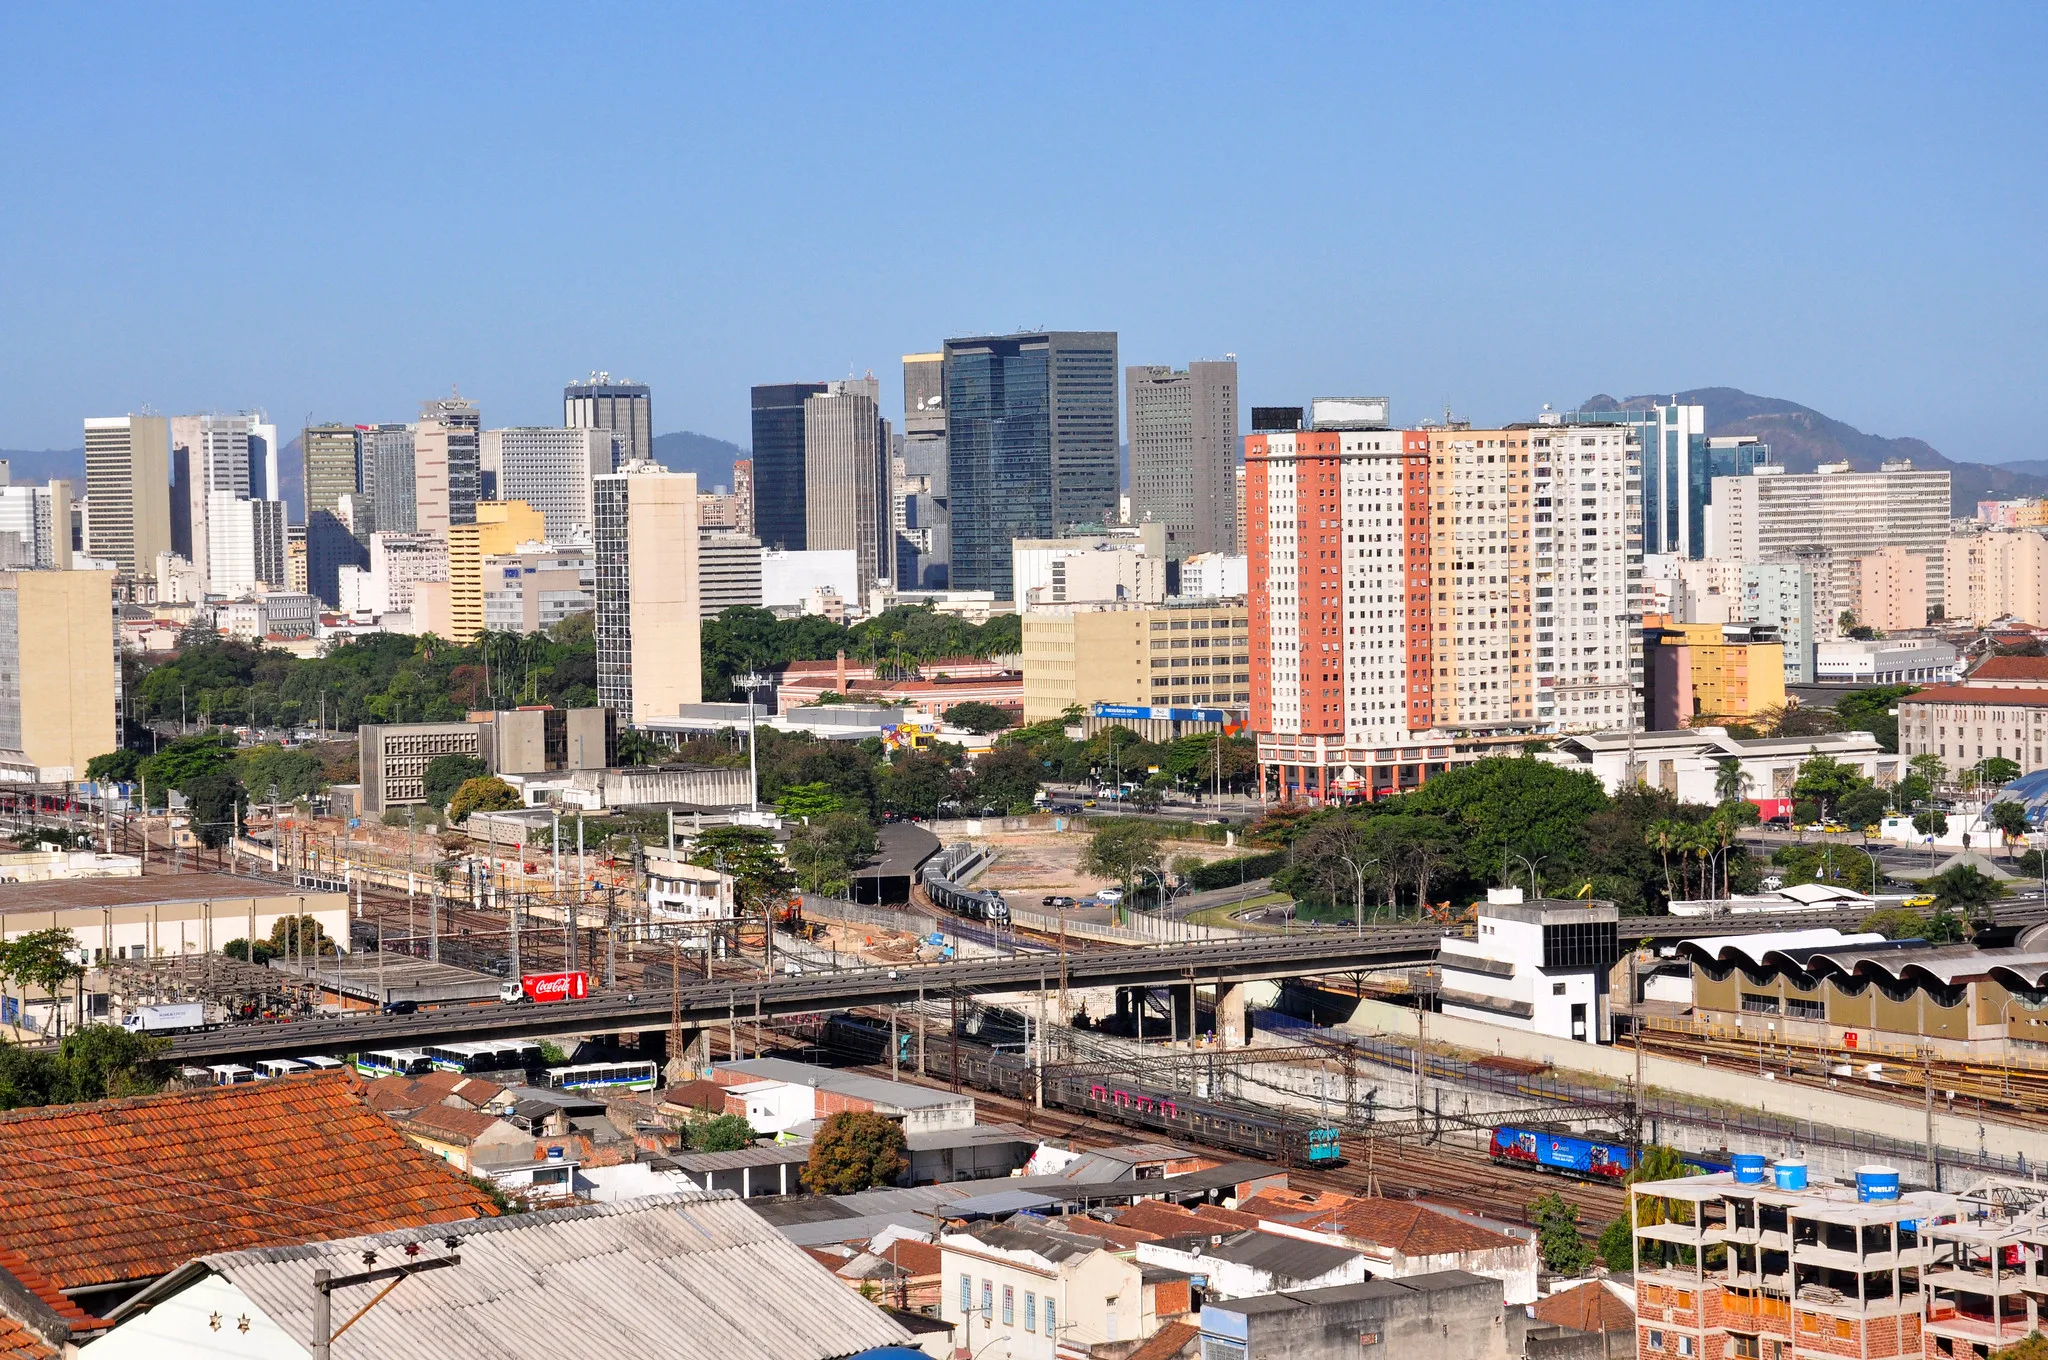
1895,320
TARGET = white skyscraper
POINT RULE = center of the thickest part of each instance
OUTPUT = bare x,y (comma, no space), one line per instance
552,471
209,457
245,544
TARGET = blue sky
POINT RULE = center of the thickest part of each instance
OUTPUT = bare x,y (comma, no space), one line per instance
339,211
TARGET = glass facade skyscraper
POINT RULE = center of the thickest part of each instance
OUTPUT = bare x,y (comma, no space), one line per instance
1031,429
1680,462
780,511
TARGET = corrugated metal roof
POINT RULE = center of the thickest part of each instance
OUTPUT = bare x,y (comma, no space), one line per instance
688,1276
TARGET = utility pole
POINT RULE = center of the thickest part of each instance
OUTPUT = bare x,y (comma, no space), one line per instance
1933,1167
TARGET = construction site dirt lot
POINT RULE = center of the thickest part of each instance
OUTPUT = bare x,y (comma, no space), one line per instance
1039,864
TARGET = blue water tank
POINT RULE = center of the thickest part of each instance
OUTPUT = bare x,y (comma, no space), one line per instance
1877,1184
1789,1173
1749,1168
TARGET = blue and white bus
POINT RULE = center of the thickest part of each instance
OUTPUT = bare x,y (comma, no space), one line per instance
394,1062
266,1068
617,1076
502,1055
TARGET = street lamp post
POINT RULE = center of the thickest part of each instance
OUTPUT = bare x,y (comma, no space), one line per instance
1358,898
1530,865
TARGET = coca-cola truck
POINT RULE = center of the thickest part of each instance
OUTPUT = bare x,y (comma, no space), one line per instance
545,987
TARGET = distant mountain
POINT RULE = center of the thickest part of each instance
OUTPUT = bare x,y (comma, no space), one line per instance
711,459
1803,438
40,465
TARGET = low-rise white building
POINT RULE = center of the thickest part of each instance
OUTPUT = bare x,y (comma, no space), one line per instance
1538,966
1257,1262
1038,1292
1686,762
1886,661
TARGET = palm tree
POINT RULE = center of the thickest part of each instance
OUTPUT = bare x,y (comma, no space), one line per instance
1730,781
1658,834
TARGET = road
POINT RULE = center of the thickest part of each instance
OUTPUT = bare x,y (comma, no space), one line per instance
705,1004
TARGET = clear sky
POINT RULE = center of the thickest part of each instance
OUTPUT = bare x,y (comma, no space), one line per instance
339,210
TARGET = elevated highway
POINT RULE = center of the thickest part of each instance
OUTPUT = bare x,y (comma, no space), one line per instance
714,1003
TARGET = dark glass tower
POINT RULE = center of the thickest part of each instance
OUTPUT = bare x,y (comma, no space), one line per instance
779,510
1031,424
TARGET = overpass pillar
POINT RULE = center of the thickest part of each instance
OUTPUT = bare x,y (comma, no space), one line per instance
691,1058
1233,1021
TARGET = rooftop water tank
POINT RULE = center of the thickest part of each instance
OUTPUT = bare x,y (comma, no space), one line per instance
1749,1168
1789,1173
1877,1184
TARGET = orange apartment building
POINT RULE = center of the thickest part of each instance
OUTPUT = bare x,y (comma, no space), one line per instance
1425,597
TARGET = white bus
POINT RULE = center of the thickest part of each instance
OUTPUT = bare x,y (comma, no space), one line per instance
394,1062
231,1074
482,1056
267,1068
618,1076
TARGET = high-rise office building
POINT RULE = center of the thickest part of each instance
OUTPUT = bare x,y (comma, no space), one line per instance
390,484
244,544
1183,436
728,573
551,470
1770,515
781,512
924,538
446,453
743,495
1031,445
624,408
331,476
1680,462
500,527
649,629
128,484
209,459
265,478
845,479
1409,587
59,695
35,526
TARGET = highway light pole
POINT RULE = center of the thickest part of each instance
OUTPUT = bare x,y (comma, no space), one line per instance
753,680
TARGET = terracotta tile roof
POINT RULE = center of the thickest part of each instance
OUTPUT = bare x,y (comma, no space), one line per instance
912,1257
2011,695
19,1343
32,1281
447,1124
1590,1307
1172,1340
2011,668
128,1189
1119,1236
388,1095
1170,1220
696,1095
1410,1229
1286,1203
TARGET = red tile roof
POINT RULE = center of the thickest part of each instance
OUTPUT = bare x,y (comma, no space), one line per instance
447,1124
1286,1203
25,1274
1979,694
1170,1220
2011,668
1172,1340
1118,1236
1590,1307
19,1343
388,1095
1410,1229
124,1190
912,1257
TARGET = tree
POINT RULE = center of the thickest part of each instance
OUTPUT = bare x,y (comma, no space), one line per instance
93,1062
1826,781
487,793
916,783
1929,767
797,801
445,774
1124,851
1730,783
983,719
1896,923
761,879
1997,770
119,766
42,960
827,852
1617,1246
1861,806
2008,819
1932,822
1558,1239
217,798
184,761
299,937
1963,888
1841,866
855,1151
1871,710
238,948
1006,779
721,1133
284,774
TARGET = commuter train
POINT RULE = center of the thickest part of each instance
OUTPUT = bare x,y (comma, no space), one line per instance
972,903
1293,1140
1552,1148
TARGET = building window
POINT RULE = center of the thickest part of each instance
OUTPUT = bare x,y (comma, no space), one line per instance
1557,989
966,1294
1030,1311
1656,1340
988,1301
1009,1305
1052,1319
1745,1347
1685,1345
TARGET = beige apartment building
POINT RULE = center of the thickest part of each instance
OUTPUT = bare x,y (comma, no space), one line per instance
649,624
1769,515
1891,589
1163,655
1998,575
57,705
500,527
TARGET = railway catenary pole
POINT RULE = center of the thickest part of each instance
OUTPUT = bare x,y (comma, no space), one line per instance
920,1029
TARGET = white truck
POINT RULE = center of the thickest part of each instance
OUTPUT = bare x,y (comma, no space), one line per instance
179,1017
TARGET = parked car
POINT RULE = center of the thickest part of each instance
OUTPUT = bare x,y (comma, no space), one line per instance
1056,902
1109,897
